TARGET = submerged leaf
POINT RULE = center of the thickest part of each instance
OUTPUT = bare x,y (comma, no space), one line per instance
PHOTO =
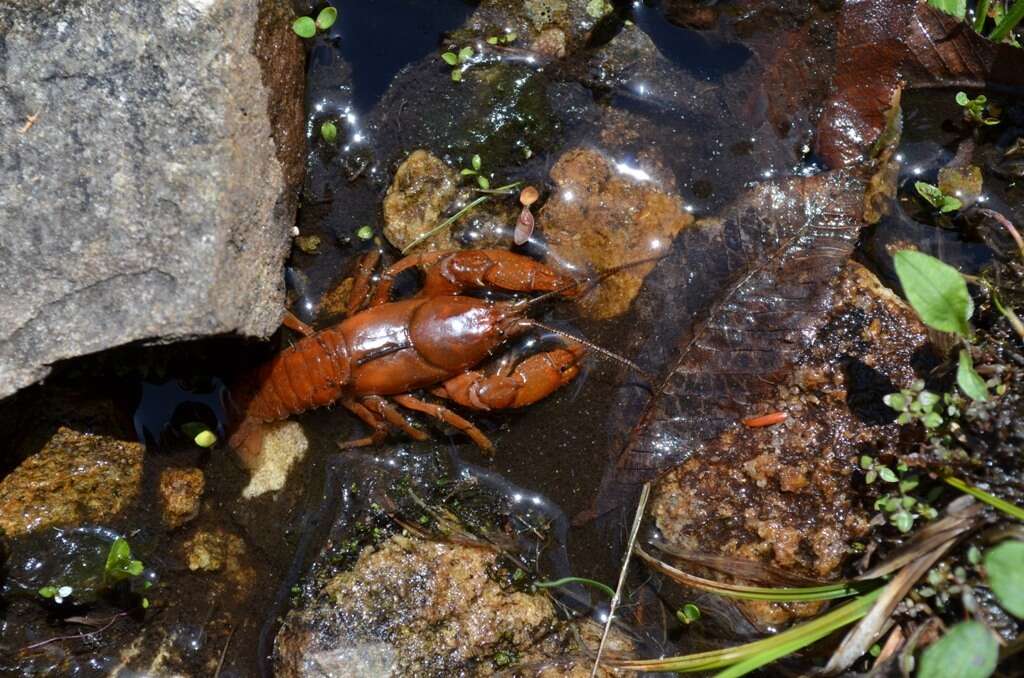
763,280
936,290
1004,567
968,650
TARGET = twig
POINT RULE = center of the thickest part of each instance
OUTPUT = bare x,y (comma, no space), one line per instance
223,653
443,224
1007,224
637,519
29,121
75,636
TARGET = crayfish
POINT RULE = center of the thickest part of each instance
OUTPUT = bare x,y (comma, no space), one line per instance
384,350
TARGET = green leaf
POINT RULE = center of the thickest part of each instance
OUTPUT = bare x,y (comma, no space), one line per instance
688,613
903,521
304,27
493,40
329,132
48,591
364,233
962,99
205,438
968,650
476,162
887,474
450,58
969,381
511,36
936,291
957,8
326,18
466,172
456,75
871,476
929,192
928,399
950,204
866,461
932,420
483,182
465,54
1004,567
896,401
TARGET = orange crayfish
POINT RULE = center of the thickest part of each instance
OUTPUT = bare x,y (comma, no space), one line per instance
384,350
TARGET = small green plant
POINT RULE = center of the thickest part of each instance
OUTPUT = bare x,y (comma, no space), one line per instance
915,404
503,39
900,508
939,295
199,433
118,567
974,109
688,613
364,233
936,198
1005,19
329,132
458,61
306,27
476,164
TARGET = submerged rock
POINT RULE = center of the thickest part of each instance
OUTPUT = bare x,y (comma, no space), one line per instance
150,159
75,478
181,491
413,607
541,24
604,214
423,188
786,495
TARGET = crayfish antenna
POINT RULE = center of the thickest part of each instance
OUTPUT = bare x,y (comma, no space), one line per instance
597,349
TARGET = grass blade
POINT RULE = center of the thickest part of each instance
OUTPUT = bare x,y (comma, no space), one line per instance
842,589
1008,23
1006,507
576,580
747,657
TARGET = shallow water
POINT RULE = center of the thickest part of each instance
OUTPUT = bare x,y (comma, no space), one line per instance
704,115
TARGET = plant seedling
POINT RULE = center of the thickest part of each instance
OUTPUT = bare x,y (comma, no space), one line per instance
307,27
476,164
504,39
688,613
457,61
936,198
329,132
974,109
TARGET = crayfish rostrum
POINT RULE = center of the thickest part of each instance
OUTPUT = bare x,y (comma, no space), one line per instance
384,350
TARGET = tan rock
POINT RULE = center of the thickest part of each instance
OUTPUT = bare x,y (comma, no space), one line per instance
604,214
76,477
421,191
414,607
181,491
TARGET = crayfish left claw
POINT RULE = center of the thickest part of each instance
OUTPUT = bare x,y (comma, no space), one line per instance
533,379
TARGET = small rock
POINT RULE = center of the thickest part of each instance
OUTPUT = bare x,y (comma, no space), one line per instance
531,20
604,214
414,607
422,190
75,478
181,490
220,553
284,444
310,244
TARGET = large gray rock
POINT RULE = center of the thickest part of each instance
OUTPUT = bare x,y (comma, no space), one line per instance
153,194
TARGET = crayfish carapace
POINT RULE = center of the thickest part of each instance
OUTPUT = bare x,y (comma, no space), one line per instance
372,361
